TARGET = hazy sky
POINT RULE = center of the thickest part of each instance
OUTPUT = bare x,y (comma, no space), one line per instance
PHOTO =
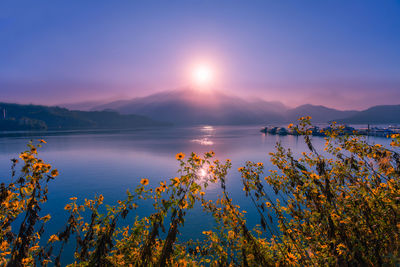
343,54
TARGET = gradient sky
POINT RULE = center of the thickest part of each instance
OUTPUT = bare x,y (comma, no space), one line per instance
343,54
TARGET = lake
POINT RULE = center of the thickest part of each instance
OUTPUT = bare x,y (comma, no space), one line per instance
110,162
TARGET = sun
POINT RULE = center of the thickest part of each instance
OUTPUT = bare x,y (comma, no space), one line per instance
203,75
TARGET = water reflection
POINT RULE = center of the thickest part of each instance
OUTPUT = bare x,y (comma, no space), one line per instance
203,174
207,128
205,140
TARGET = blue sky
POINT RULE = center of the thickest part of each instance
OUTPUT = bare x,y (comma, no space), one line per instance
343,54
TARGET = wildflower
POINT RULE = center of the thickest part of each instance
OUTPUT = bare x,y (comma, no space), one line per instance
54,173
46,218
175,181
67,207
37,167
159,189
144,181
197,159
34,248
73,198
291,257
53,238
268,204
4,246
42,141
180,156
341,249
183,204
207,232
259,164
25,156
26,261
231,234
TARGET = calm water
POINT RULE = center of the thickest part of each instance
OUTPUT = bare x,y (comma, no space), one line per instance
110,162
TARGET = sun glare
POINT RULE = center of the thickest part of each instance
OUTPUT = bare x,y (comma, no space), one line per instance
203,75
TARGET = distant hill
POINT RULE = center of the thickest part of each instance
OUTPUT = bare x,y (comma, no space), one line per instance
189,106
375,115
34,117
318,113
82,106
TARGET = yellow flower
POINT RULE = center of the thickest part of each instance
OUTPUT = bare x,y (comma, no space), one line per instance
259,164
67,207
180,156
160,189
53,238
54,173
175,181
231,234
25,156
26,261
73,198
268,204
144,181
4,246
42,141
207,232
183,204
291,257
46,218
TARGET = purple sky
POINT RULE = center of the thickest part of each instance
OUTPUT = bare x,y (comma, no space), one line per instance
343,54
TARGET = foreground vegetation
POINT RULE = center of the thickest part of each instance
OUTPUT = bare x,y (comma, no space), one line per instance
334,207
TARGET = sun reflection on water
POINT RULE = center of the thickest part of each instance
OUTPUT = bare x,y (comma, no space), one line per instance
205,140
203,174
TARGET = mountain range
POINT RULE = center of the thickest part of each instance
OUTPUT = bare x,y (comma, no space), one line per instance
182,107
196,107
188,106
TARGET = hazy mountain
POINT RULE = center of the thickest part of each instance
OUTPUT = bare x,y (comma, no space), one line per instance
189,106
83,106
375,115
318,113
29,117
